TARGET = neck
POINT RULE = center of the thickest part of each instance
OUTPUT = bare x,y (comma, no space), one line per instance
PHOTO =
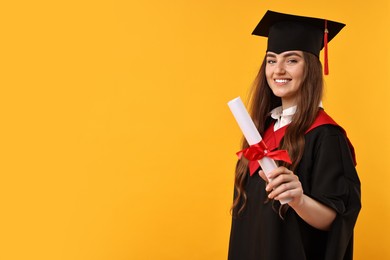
284,106
287,103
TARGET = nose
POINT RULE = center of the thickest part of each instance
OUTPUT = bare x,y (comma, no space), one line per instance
279,69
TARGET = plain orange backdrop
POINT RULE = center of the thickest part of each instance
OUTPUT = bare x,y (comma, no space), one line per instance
116,140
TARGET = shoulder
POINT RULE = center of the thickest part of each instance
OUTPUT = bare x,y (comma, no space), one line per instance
327,136
326,130
325,124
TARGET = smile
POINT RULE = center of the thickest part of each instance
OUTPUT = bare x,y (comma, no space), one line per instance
281,80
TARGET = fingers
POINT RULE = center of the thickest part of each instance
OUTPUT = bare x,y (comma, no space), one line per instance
274,173
281,179
262,175
284,184
278,171
286,190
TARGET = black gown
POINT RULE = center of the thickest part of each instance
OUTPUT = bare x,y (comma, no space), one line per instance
327,173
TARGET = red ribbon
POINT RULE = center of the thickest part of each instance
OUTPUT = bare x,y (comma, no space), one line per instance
258,151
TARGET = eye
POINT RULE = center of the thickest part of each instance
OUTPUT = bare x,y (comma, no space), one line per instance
292,61
271,61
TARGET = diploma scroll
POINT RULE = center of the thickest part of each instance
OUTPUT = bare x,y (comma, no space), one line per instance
251,134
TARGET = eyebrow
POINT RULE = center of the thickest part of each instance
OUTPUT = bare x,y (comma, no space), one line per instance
288,54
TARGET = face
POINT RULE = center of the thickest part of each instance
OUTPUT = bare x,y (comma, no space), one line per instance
284,73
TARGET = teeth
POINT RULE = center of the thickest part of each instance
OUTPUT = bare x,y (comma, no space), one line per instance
281,80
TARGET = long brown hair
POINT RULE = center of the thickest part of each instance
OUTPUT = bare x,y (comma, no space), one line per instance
262,101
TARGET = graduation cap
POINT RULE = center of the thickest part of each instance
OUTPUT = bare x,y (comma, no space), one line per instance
287,32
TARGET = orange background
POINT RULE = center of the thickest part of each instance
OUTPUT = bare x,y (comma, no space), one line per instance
116,141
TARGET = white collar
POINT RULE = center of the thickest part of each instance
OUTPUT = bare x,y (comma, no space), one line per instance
279,111
283,116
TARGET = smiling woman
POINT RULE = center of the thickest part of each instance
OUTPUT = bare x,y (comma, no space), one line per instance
322,181
284,74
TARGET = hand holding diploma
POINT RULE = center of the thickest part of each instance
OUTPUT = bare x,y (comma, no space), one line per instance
257,151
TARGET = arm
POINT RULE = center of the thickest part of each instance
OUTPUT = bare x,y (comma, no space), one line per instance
314,213
285,184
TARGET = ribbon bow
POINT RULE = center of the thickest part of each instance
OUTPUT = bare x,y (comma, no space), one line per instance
258,151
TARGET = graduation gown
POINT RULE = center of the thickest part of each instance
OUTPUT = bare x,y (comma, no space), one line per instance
327,173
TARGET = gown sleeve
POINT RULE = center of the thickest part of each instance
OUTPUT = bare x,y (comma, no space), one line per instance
335,183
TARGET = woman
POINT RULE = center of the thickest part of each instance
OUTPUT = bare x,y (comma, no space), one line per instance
321,184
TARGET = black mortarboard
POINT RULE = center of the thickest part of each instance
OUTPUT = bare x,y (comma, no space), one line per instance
291,32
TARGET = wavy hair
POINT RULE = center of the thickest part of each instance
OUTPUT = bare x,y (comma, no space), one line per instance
262,101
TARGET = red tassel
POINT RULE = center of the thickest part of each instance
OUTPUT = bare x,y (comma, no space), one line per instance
326,66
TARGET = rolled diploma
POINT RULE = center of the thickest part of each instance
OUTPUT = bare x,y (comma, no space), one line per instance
251,134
